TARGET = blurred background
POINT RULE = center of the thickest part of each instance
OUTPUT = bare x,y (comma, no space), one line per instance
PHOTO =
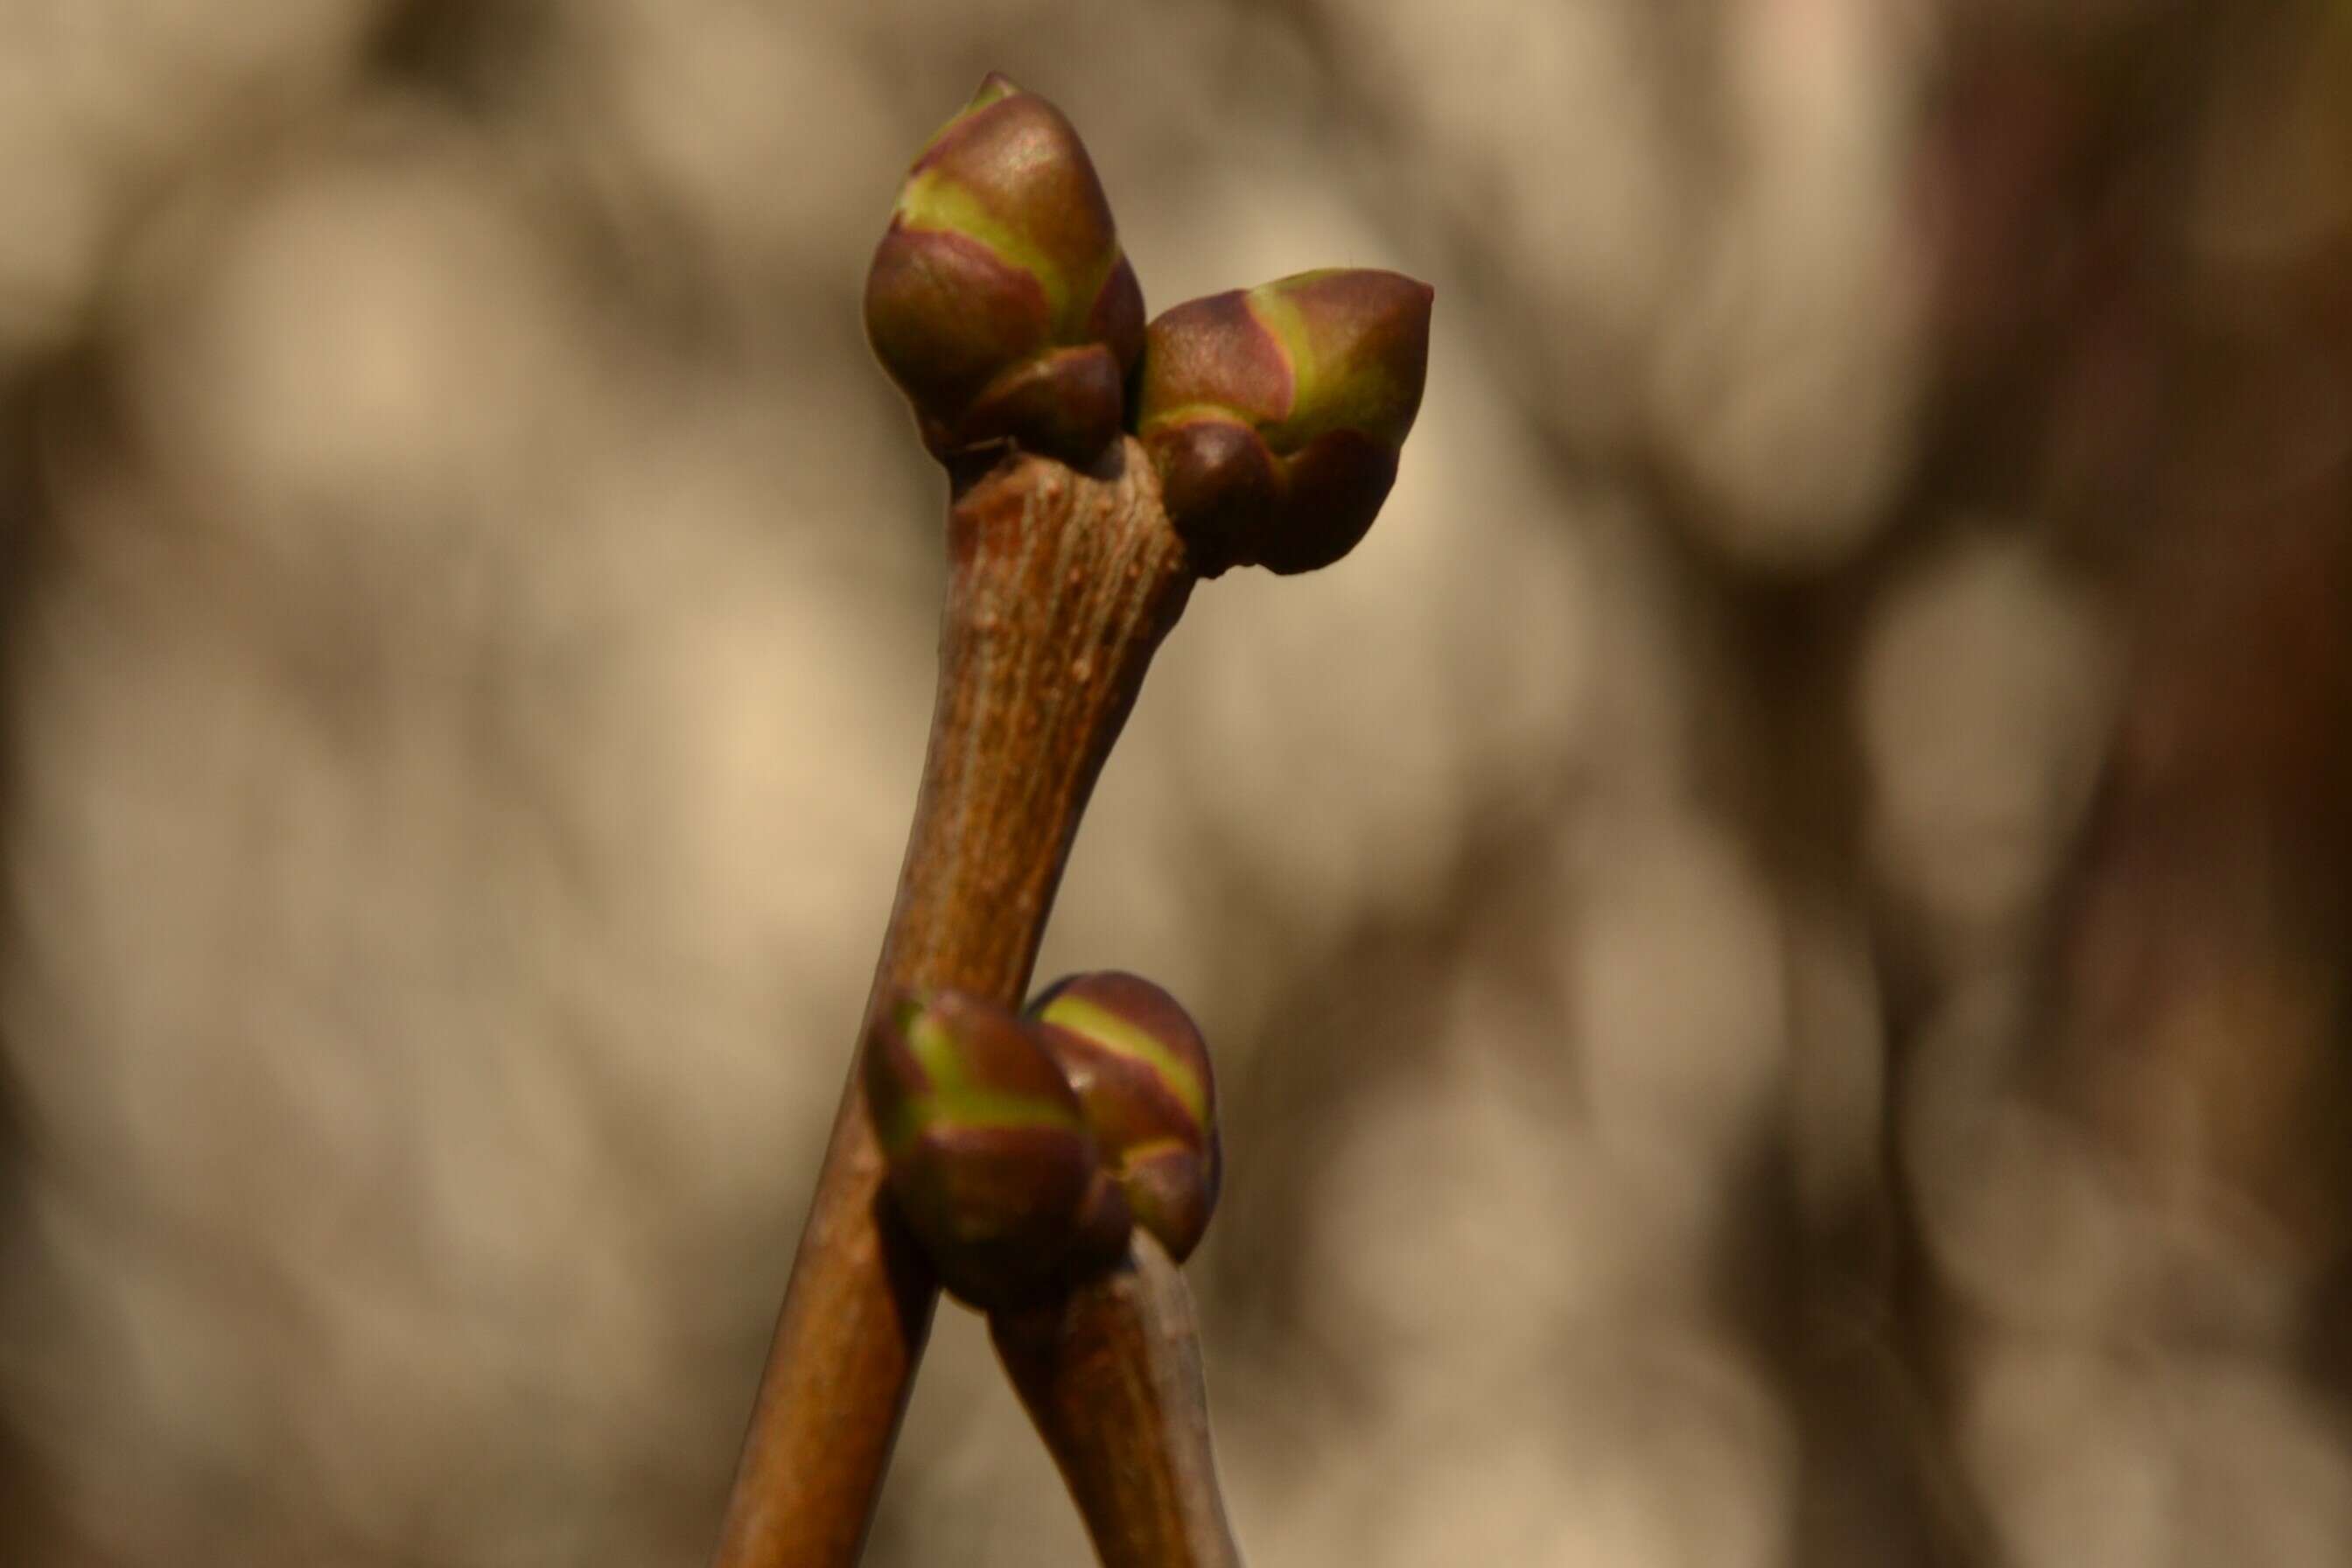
1776,938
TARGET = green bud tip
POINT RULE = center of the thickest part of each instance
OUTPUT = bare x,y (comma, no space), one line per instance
990,1158
999,300
1274,415
1141,1073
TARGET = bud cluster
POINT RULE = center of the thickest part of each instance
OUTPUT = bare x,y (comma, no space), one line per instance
1000,302
1022,1148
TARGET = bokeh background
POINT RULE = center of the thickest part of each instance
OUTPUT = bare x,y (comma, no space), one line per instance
1776,938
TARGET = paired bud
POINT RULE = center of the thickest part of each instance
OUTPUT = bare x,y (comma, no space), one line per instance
991,1161
999,300
1001,304
1141,1073
1274,415
1021,1150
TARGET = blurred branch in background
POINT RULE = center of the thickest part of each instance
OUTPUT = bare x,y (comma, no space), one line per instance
1775,937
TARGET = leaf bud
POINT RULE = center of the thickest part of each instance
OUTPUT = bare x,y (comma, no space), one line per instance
999,299
1142,1074
990,1162
1274,415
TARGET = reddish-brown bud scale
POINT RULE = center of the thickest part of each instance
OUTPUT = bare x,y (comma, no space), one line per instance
1214,355
1218,476
1338,483
946,316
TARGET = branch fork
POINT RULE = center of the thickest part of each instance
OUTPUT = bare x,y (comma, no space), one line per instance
1100,468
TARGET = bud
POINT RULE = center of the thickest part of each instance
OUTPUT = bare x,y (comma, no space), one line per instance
1275,415
991,1161
999,300
1141,1073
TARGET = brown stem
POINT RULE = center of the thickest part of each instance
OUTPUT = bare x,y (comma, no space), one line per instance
1061,586
1111,1374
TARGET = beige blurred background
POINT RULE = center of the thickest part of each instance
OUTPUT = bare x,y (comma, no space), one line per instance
1776,938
